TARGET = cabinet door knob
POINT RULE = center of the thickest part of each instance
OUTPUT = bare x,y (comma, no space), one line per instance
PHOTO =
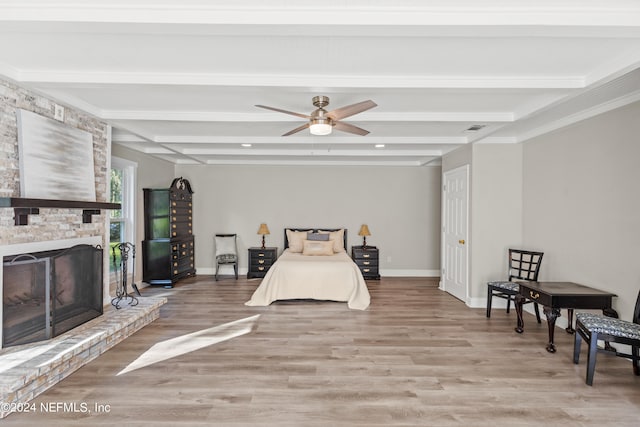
461,241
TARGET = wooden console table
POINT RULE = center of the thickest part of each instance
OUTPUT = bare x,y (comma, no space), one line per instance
557,295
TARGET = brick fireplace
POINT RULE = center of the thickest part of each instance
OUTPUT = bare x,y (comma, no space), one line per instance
26,370
50,227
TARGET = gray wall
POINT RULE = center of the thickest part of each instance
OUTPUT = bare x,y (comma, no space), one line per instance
401,205
572,193
581,203
496,222
495,210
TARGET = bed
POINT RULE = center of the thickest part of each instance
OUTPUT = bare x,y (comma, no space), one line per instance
313,267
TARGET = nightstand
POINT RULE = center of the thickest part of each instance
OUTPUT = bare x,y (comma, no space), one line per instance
366,258
260,260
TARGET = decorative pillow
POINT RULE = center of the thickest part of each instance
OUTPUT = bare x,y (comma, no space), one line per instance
338,239
318,236
296,240
317,247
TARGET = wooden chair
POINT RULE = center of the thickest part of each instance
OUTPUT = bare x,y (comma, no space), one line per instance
226,252
523,265
593,327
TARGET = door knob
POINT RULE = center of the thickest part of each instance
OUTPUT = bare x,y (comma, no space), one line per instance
461,241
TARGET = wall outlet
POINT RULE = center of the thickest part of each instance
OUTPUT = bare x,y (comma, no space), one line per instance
58,112
389,259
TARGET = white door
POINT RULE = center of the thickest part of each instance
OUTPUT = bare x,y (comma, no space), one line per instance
455,225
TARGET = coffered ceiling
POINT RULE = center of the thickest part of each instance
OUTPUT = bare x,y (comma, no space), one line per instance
180,80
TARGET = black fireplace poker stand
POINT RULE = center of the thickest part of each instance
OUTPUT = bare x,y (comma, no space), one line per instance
121,286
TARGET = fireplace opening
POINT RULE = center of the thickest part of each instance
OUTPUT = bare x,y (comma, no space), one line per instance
48,293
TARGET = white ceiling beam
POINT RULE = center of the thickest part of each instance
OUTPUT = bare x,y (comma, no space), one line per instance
120,136
301,80
593,111
145,148
333,152
307,12
315,162
258,116
297,140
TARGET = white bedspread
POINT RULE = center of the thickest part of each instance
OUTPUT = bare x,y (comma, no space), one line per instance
297,276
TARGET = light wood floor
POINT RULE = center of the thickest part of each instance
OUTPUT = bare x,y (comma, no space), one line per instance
416,357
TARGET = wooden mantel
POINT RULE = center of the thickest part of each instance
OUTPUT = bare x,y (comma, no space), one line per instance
24,207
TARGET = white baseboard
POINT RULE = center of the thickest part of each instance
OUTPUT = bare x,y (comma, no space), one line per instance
206,271
388,272
226,270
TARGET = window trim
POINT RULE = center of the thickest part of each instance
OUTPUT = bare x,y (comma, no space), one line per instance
129,178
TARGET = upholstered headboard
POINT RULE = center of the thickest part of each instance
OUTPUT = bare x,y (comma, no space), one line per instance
314,230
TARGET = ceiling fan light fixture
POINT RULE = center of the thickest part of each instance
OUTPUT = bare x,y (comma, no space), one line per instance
321,126
322,122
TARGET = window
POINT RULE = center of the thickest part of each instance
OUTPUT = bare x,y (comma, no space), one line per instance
122,221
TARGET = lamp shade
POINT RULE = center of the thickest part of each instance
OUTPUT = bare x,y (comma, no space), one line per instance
263,229
364,230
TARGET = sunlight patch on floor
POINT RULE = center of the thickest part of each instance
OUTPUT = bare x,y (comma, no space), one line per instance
191,342
16,358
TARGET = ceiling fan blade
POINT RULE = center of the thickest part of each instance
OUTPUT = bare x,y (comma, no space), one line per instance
346,127
296,130
350,110
304,116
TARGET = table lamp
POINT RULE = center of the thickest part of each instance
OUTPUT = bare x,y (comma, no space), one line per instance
364,232
263,230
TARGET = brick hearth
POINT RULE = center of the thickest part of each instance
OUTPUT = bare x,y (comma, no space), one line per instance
28,370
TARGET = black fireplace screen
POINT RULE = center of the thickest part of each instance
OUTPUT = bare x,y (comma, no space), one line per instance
48,293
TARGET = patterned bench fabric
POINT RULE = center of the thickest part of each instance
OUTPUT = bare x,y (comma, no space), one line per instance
509,286
609,325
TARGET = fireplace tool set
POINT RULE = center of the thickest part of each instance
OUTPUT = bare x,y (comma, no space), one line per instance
122,275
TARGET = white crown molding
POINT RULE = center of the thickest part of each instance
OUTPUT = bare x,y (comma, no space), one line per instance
307,12
497,140
298,140
64,98
121,136
258,116
613,69
581,115
318,152
145,148
9,72
303,80
309,162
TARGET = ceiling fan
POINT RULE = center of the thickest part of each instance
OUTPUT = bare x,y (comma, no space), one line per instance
322,122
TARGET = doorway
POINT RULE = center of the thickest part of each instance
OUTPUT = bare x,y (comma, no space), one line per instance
455,227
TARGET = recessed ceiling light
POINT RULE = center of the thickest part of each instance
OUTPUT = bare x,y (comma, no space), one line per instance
379,145
246,145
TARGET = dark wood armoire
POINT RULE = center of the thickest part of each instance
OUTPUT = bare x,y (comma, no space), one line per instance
168,249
